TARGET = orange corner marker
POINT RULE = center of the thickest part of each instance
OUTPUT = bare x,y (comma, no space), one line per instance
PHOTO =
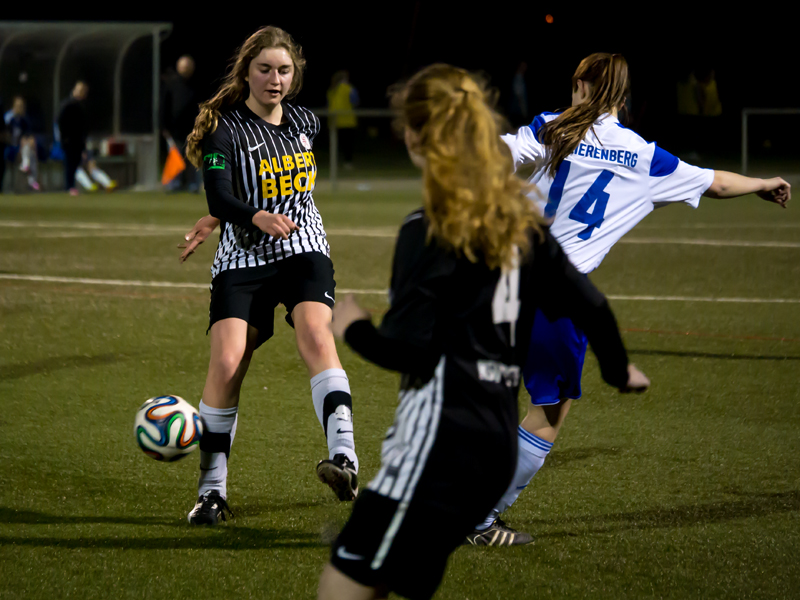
174,165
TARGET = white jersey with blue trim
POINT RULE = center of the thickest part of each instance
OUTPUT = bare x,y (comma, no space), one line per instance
611,181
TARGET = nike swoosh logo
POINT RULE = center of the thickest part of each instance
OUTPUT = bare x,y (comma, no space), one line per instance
329,297
342,553
255,147
211,469
344,431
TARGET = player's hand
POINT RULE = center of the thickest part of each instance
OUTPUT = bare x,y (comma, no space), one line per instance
776,190
275,225
197,235
637,381
345,312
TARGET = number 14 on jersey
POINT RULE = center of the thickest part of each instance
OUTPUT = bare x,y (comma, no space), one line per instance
595,200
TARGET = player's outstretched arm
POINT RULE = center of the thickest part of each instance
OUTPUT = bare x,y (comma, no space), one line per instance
731,185
197,235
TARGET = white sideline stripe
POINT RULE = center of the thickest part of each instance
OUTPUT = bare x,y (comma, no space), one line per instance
119,282
379,233
720,226
134,230
101,226
205,286
135,283
344,231
702,242
90,234
706,299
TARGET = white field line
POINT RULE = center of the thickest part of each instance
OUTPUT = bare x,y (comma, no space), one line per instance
90,226
704,242
138,230
205,286
152,227
133,230
720,226
89,234
135,283
705,299
378,233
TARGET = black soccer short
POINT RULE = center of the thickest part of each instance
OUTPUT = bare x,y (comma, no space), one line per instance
405,546
252,294
414,564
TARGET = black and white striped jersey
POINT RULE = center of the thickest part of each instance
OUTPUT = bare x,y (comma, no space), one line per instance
251,165
459,333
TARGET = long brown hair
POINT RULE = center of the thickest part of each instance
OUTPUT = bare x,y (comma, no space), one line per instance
474,203
607,74
234,88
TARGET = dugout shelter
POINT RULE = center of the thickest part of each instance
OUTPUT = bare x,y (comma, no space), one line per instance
120,62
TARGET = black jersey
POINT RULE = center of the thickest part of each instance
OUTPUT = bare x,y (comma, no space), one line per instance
459,333
251,165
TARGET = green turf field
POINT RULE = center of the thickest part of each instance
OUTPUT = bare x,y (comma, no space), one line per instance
689,491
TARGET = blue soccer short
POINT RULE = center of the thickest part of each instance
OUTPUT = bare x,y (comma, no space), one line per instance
555,360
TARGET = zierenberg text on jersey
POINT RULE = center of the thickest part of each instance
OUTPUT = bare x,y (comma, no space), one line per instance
611,181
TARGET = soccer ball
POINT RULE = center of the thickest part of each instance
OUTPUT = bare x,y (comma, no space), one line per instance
167,428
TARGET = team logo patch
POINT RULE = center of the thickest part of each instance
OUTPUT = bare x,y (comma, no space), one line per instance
305,142
213,161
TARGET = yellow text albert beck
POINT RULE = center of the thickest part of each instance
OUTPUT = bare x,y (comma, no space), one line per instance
303,181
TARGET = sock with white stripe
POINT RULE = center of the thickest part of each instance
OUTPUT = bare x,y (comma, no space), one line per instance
25,158
82,178
100,176
215,447
330,391
532,452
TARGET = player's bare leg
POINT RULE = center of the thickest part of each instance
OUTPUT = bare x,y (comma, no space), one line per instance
335,585
546,421
330,391
537,432
314,338
232,344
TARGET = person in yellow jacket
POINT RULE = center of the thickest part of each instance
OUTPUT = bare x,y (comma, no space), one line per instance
708,95
343,98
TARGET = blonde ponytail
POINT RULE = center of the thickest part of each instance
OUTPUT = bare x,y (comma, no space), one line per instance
474,202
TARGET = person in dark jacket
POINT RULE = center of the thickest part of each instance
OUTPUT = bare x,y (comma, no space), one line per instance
73,130
179,108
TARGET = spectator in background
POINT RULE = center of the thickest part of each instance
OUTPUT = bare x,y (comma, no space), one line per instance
22,142
343,98
73,131
518,102
688,114
708,95
711,131
178,112
687,96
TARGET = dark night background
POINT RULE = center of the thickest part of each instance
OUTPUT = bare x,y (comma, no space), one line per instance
752,50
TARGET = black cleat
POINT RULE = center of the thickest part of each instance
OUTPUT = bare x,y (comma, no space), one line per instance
498,534
339,473
210,508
